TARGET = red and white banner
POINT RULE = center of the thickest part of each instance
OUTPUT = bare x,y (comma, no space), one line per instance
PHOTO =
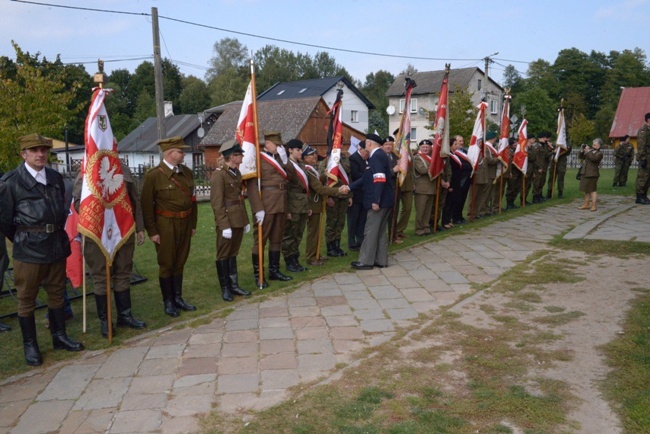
74,262
561,144
404,139
503,153
441,134
245,135
475,149
520,159
335,171
105,210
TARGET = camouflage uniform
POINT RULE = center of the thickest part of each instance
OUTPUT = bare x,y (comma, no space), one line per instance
623,155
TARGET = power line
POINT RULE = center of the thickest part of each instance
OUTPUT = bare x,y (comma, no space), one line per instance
252,35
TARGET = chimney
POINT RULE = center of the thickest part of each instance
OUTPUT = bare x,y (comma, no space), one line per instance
169,110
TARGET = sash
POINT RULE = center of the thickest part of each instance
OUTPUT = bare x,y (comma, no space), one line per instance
302,176
425,158
456,159
269,159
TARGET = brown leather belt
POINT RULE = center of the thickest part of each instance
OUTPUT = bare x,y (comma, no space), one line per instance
273,187
233,202
48,228
172,214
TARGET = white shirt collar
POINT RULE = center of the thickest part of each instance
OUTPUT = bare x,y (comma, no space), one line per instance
38,175
173,168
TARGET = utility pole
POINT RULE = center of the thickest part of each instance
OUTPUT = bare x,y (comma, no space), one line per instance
488,60
157,68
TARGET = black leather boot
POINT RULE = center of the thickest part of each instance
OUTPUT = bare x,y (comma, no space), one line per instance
30,344
234,277
337,248
224,281
4,328
124,314
178,294
331,250
256,272
292,265
100,302
60,339
298,264
167,290
274,267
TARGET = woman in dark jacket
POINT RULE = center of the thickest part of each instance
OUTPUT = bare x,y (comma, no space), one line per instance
590,173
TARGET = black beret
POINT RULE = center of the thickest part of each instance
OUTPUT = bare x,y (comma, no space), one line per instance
389,139
362,144
375,138
295,144
425,142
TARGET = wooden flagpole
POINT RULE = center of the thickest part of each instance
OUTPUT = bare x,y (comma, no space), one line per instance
109,311
437,205
553,178
258,161
501,192
321,223
83,297
523,190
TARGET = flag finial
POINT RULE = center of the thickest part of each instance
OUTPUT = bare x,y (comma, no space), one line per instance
99,76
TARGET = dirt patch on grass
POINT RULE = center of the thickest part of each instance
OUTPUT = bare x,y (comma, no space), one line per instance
576,318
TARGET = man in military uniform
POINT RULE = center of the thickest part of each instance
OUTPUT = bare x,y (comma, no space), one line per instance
513,188
297,207
485,176
336,210
170,216
270,210
33,217
642,156
404,203
230,217
425,188
623,155
356,213
543,153
317,193
4,263
557,168
122,261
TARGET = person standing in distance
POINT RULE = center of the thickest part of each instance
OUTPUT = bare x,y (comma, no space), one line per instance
170,216
33,217
230,218
643,153
378,199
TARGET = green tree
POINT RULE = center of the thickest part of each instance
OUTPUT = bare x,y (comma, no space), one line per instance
579,75
31,102
581,130
374,88
462,113
540,110
194,97
172,84
513,80
146,108
229,73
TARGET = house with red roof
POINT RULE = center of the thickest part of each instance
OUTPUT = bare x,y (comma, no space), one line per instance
630,114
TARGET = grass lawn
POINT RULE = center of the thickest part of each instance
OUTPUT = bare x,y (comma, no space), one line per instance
201,286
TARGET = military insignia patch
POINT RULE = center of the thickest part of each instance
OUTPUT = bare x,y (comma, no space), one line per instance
103,122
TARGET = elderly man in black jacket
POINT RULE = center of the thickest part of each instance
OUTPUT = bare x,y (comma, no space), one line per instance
33,217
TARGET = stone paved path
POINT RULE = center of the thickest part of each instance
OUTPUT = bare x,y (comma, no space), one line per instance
249,359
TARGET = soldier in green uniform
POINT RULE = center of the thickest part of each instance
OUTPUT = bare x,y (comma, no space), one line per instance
485,176
230,218
297,208
317,194
623,155
270,209
336,209
425,188
170,216
513,188
642,156
122,261
536,166
542,156
559,167
404,199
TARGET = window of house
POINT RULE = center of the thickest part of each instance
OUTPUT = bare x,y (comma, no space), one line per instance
354,116
302,90
281,92
414,105
414,134
494,106
151,161
479,83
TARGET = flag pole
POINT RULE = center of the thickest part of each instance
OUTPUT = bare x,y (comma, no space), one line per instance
553,178
260,235
83,271
523,190
109,316
435,209
500,192
321,223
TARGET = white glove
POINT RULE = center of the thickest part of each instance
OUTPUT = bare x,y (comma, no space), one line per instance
247,229
259,217
227,233
283,154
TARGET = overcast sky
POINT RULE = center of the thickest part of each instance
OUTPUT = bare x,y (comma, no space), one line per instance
461,32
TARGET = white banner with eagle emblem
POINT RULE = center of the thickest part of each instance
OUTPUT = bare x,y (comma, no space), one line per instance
105,211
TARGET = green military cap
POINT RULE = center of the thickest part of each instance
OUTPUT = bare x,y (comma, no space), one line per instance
175,142
273,136
34,141
490,135
231,147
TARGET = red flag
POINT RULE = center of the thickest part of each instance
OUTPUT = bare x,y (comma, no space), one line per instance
475,149
404,141
105,211
503,152
245,135
335,171
74,262
520,159
441,137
